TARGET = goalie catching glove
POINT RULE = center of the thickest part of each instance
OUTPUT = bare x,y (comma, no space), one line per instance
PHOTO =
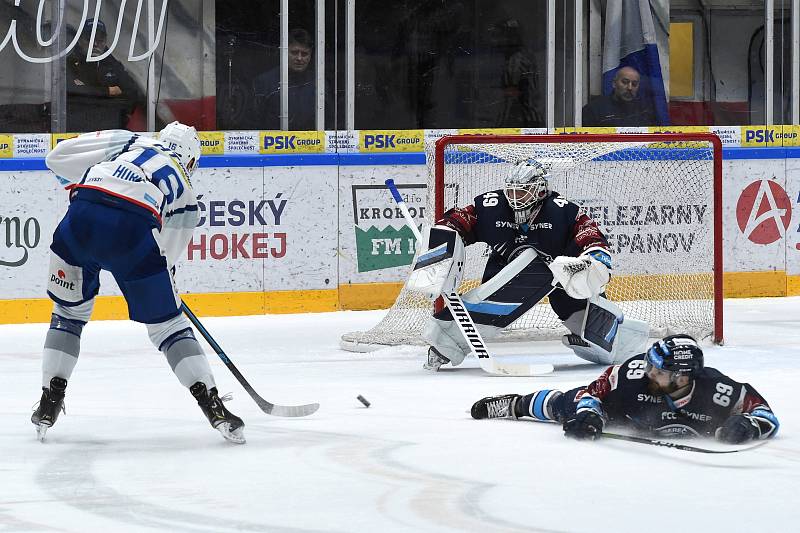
439,264
584,276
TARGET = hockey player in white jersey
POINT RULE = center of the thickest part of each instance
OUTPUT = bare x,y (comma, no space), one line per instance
132,213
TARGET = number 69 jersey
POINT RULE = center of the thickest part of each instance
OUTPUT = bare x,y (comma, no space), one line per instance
134,169
628,400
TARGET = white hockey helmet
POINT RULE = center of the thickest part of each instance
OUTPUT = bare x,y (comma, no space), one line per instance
525,188
182,140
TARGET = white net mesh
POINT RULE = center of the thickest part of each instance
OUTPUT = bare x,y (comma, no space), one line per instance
654,202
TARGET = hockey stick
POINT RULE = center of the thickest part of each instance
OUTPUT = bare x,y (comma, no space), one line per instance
684,447
464,321
267,407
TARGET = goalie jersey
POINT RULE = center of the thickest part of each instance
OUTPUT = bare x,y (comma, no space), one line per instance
560,228
627,400
139,171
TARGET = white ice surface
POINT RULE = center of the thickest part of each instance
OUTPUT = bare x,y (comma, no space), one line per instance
134,453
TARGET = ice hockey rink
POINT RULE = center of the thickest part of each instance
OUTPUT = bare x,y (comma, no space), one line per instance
134,452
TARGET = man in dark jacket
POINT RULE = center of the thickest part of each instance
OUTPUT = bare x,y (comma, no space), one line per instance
302,89
100,94
623,106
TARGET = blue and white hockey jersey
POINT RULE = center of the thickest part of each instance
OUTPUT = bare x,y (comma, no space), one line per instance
138,170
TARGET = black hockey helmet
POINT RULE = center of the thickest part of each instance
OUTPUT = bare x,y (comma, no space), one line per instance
679,354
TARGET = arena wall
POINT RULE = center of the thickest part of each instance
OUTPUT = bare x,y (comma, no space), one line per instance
301,222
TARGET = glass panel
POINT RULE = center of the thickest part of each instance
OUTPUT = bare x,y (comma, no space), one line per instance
717,54
782,85
184,74
25,85
105,92
453,64
247,44
564,75
630,86
248,64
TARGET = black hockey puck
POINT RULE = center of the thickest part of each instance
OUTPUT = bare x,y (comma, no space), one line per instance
363,400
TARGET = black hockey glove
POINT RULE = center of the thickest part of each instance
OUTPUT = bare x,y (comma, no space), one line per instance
738,429
586,424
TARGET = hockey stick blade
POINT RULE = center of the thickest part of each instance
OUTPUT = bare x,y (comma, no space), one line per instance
264,405
667,444
499,368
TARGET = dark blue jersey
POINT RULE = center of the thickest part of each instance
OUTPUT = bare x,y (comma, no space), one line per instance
627,399
560,228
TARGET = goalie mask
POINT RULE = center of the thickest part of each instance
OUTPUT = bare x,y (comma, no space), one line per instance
678,354
525,188
182,140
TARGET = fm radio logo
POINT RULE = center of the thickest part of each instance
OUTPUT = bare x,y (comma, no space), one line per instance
763,212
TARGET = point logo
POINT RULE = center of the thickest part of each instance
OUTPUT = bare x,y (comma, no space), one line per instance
763,212
61,282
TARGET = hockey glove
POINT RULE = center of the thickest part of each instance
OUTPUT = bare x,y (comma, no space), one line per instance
738,429
587,422
585,276
440,263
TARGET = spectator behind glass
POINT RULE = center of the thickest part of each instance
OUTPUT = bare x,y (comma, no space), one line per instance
302,88
622,107
100,95
519,78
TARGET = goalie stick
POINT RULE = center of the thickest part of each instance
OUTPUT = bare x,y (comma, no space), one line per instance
267,407
464,321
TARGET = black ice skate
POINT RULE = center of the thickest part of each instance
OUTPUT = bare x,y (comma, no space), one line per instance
51,404
228,424
495,407
435,360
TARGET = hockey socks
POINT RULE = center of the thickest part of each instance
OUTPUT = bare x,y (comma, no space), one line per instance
541,405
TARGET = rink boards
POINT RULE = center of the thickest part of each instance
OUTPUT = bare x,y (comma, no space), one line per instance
318,232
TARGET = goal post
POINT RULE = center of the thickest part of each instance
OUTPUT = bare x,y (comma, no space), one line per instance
656,196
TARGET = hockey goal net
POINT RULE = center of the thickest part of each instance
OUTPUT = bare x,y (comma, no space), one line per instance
657,197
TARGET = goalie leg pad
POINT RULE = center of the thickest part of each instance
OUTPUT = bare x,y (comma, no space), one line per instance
601,333
445,336
439,266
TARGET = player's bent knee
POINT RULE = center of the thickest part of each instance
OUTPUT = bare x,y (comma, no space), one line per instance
76,313
162,331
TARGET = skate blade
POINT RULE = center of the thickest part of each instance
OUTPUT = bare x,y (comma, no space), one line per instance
236,436
41,430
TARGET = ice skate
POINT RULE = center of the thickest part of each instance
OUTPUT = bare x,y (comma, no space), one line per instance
435,360
495,407
51,404
228,424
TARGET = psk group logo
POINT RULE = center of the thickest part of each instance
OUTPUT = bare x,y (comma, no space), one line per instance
763,212
292,142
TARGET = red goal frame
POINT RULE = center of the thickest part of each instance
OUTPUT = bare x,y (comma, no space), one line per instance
713,139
